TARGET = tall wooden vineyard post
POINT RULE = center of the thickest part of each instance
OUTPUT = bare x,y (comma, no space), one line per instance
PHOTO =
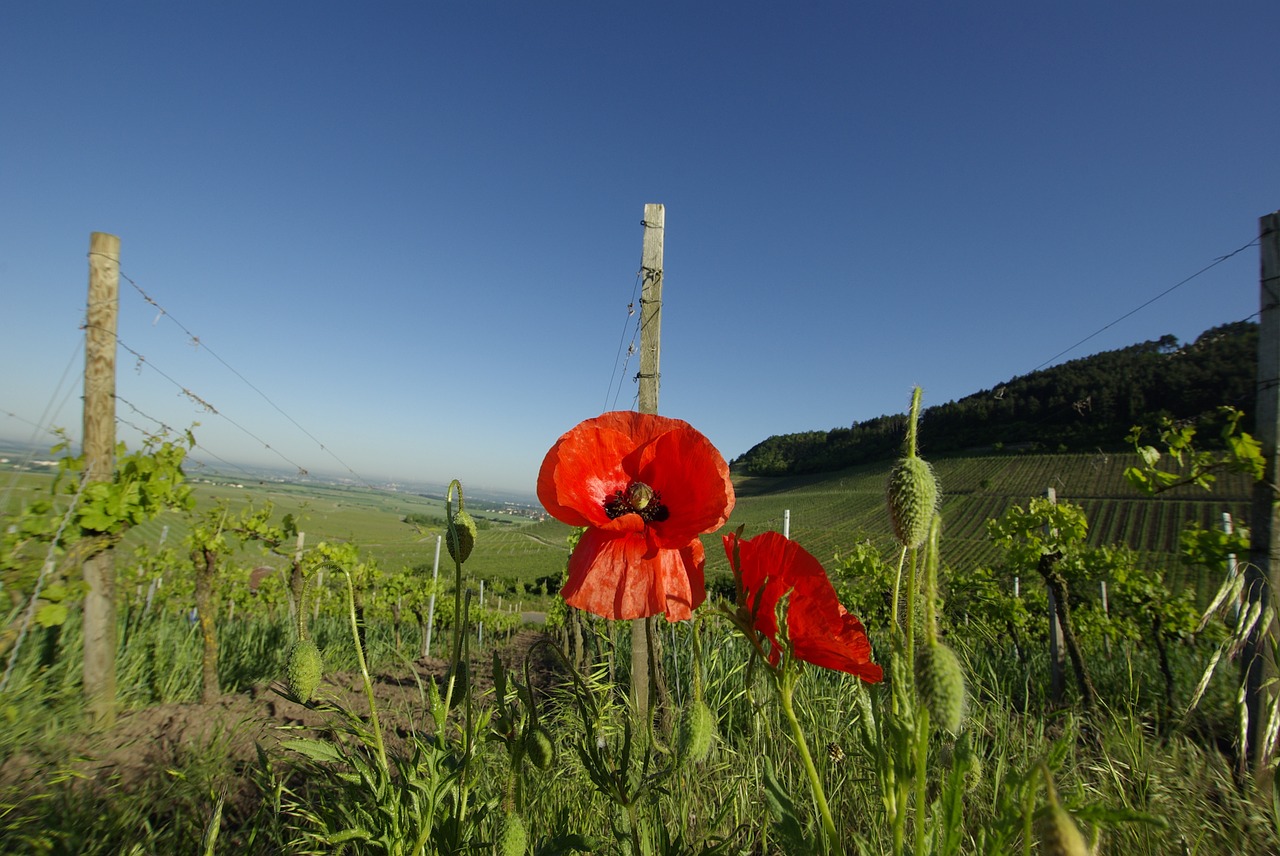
99,465
655,217
1262,574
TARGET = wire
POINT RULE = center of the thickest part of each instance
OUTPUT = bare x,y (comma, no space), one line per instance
198,342
142,360
631,349
1171,288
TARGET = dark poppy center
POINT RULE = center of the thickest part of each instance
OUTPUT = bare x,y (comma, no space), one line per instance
638,498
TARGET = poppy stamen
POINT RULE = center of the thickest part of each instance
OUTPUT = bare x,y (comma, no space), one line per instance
638,498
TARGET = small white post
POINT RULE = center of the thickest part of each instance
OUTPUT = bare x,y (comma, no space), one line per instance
1016,592
1105,611
786,523
1228,526
431,604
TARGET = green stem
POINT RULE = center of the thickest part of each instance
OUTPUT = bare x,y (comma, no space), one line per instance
909,619
922,757
931,560
912,420
897,590
633,820
785,688
364,673
451,531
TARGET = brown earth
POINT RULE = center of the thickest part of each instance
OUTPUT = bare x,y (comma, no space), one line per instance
167,736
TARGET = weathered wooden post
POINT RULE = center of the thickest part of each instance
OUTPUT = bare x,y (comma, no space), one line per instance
1262,574
655,217
99,465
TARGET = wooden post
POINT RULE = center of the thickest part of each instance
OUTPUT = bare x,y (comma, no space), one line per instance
1262,574
1057,658
651,307
99,466
655,218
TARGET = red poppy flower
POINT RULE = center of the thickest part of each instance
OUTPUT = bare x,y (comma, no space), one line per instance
645,487
819,629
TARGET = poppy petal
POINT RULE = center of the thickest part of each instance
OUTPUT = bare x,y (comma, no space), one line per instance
819,629
610,576
583,469
691,477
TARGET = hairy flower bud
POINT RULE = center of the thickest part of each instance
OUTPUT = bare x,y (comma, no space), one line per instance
513,840
694,732
464,527
940,683
913,495
1058,834
539,748
304,670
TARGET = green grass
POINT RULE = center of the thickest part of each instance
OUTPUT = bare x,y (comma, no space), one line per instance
1153,788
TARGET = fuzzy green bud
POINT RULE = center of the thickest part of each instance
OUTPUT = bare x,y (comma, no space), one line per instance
513,840
539,748
1058,834
695,731
304,670
913,495
464,528
940,683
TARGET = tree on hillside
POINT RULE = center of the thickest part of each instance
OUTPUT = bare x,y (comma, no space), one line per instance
1079,405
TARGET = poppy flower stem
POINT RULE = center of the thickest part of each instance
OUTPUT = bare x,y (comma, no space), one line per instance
786,678
456,648
364,674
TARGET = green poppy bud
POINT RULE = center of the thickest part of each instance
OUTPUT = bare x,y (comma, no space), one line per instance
539,748
464,527
940,683
1058,834
913,499
695,731
513,840
304,670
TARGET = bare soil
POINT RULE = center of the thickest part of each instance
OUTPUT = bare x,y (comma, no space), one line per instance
167,736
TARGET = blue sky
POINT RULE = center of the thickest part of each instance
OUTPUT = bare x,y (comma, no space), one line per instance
414,228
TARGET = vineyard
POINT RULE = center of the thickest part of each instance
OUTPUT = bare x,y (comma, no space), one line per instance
833,511
266,762
829,513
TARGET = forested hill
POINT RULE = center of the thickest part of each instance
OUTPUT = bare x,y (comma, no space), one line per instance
1081,405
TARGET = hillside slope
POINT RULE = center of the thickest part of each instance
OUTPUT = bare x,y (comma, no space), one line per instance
830,512
1084,405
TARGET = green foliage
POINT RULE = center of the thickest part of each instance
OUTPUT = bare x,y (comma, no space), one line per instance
863,581
1041,528
144,483
41,547
1080,405
1193,465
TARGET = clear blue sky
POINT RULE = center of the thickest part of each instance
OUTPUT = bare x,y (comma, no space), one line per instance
415,226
